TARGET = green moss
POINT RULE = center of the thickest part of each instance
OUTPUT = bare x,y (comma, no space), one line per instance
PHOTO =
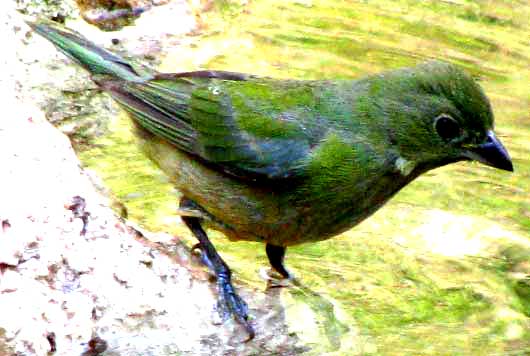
511,259
475,15
448,36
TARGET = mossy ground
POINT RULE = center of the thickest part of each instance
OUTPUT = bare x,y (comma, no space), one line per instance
444,268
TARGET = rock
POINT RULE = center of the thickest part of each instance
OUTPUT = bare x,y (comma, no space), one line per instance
112,288
65,92
54,9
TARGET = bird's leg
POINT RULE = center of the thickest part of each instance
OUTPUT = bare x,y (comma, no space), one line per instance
276,255
229,302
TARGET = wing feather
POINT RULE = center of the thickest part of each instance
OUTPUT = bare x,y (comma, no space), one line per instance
239,124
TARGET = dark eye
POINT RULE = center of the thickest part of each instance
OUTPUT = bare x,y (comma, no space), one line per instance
446,127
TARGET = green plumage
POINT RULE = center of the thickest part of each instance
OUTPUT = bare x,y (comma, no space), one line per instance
291,161
288,161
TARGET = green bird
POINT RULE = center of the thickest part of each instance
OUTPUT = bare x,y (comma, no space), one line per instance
286,162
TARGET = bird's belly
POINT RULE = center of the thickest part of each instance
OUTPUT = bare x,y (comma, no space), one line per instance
246,212
240,211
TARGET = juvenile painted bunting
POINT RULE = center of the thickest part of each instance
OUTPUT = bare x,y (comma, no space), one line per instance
286,162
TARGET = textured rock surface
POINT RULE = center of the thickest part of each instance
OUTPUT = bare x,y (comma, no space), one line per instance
111,289
58,287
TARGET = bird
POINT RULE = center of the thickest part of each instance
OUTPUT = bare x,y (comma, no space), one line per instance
287,161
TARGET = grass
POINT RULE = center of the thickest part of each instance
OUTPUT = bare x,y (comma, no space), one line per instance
443,269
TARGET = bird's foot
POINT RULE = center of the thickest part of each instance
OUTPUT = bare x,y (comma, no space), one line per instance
230,304
278,276
275,279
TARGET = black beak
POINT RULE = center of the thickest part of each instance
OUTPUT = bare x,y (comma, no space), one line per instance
491,153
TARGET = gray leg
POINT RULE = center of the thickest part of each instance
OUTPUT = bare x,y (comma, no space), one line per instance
276,255
229,302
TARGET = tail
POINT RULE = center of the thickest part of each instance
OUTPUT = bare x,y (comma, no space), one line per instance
94,59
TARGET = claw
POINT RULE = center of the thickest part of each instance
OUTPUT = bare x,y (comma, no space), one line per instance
195,247
274,279
232,304
250,331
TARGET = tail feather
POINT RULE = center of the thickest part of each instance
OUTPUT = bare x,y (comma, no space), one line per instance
94,59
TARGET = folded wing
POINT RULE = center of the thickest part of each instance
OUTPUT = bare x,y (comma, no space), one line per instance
251,128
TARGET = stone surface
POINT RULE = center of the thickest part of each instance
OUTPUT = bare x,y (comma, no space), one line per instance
112,289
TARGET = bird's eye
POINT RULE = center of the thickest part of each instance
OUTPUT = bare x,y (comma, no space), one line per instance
447,127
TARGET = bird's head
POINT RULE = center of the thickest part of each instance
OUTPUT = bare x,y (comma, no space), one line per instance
437,114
